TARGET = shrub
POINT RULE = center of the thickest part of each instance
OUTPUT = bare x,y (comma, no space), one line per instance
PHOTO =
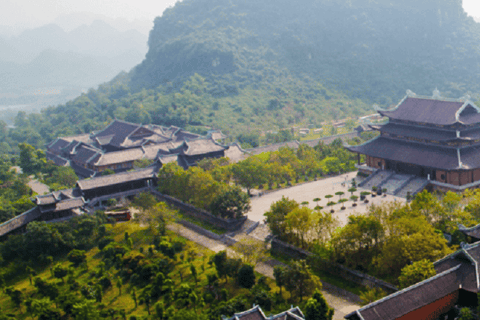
77,257
105,282
104,242
246,276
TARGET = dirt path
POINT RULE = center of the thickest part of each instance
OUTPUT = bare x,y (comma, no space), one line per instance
342,305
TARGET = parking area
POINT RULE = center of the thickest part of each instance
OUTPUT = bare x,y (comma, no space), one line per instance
319,189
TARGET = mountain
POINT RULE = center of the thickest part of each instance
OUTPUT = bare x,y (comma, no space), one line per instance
248,66
372,50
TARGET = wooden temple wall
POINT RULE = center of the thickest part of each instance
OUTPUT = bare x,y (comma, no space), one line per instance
375,162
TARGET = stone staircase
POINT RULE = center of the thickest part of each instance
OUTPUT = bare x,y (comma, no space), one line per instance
414,186
378,179
396,182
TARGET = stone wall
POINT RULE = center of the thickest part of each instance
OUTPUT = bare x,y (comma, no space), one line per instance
330,267
200,230
227,224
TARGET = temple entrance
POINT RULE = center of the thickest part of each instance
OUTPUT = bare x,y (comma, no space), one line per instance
406,168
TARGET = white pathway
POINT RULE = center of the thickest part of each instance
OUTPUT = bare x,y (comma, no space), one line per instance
318,189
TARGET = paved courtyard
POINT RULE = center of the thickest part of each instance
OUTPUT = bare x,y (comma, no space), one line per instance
319,189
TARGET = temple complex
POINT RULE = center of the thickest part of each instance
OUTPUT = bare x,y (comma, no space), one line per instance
121,143
431,139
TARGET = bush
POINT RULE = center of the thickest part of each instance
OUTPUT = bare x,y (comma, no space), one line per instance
77,257
104,242
246,276
105,282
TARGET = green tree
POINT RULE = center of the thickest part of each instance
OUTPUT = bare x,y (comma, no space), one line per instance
246,276
77,257
15,295
60,272
300,281
466,314
31,160
220,260
159,310
85,310
317,308
119,284
299,222
249,173
134,297
40,307
277,213
416,272
371,295
279,275
231,203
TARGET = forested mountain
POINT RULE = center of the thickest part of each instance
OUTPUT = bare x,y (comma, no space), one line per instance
245,65
372,50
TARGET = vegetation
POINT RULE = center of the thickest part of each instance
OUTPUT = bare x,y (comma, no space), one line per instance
395,241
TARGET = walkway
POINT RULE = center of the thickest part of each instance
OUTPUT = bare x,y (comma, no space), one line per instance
342,305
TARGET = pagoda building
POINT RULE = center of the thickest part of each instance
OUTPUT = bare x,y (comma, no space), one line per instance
430,137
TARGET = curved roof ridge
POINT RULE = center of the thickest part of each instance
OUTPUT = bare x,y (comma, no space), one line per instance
453,269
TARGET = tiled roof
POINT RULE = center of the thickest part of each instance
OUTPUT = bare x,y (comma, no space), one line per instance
412,298
118,178
59,161
434,111
119,157
19,221
255,313
69,204
46,199
184,135
57,145
425,110
85,154
292,314
411,152
116,132
197,147
235,153
82,172
168,158
84,137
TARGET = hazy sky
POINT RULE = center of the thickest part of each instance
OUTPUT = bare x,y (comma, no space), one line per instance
15,12
37,12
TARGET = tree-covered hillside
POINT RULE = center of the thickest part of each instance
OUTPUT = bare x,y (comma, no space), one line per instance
245,66
373,50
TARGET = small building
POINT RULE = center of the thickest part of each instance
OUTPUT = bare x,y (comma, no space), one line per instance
116,183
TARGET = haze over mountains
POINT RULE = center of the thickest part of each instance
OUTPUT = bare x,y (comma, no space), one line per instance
51,64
